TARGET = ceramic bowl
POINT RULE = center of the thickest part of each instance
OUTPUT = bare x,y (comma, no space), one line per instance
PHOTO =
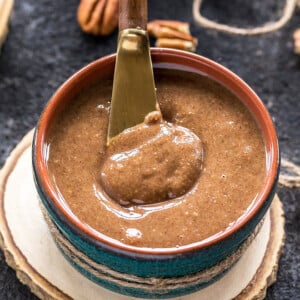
137,271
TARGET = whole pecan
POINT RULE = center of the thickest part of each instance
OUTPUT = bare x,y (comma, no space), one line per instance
98,17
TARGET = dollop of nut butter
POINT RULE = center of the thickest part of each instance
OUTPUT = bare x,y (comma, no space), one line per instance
151,162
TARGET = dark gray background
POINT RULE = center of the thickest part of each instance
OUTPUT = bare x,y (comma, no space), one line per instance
45,46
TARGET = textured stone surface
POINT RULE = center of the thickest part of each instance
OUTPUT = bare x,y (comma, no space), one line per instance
45,46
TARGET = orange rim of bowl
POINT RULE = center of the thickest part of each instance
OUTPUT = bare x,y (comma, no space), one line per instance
232,82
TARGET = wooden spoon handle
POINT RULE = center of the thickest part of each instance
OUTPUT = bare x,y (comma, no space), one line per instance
133,14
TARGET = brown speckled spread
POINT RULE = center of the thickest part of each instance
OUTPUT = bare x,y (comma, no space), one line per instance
231,175
151,163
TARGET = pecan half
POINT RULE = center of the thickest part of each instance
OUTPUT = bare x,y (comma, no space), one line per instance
176,44
98,17
180,26
172,34
296,37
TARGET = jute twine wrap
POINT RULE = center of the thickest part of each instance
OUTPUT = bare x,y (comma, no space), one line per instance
290,174
148,284
288,12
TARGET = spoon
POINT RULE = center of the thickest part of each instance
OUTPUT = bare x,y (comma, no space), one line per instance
133,96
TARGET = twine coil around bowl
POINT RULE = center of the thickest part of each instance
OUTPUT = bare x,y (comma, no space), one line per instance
150,284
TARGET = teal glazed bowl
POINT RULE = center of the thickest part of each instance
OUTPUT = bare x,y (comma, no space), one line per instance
151,272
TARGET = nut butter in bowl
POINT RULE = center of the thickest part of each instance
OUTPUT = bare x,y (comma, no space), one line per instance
164,209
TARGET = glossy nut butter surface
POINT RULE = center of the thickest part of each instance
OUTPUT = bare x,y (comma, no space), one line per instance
152,164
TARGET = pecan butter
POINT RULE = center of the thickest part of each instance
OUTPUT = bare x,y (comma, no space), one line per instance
151,163
220,172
